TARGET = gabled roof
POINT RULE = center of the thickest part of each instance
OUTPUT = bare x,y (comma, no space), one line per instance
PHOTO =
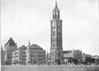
10,42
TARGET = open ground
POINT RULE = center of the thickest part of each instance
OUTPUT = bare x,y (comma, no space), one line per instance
50,68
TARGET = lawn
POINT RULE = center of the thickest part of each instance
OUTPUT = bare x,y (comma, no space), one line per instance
50,68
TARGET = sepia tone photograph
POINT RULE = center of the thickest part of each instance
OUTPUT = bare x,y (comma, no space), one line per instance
49,35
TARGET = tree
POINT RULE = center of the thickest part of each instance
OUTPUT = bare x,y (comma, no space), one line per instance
89,60
7,63
57,61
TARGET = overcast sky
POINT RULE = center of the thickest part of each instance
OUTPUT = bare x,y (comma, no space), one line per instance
25,20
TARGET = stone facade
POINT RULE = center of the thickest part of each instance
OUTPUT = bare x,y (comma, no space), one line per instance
71,55
48,58
35,55
56,37
2,56
68,53
9,47
19,55
78,55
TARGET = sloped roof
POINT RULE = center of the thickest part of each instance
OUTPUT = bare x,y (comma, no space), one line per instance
10,42
23,47
35,46
68,51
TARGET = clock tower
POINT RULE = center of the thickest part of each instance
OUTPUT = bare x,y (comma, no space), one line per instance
56,37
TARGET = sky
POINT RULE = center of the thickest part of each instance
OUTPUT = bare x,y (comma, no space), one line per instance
25,20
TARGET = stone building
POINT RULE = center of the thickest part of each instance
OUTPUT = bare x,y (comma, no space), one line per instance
19,55
35,54
72,56
78,55
2,56
68,53
9,47
48,58
56,37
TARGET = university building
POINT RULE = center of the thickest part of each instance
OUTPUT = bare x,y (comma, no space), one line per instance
35,54
9,47
32,54
57,55
56,50
2,55
19,55
71,55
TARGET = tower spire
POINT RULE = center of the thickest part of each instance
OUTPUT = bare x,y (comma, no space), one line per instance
56,5
56,12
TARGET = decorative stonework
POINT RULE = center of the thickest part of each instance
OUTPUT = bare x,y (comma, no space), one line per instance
56,37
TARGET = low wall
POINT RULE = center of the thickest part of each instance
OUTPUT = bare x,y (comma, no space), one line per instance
50,68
